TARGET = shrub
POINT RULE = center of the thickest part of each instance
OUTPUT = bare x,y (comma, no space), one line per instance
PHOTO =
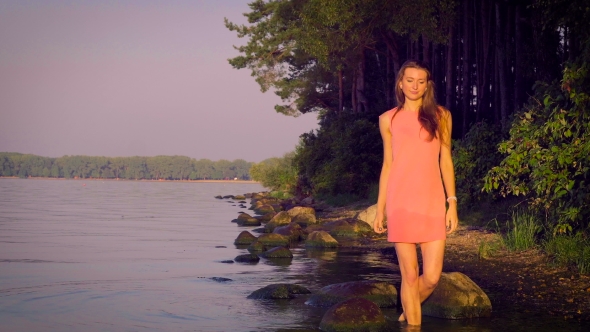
473,157
570,250
522,230
547,156
278,174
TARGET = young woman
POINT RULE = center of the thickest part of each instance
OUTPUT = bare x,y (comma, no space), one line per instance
417,170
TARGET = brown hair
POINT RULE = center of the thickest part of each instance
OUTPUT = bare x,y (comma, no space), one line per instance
430,113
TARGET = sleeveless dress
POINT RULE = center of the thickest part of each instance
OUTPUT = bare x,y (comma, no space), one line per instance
415,204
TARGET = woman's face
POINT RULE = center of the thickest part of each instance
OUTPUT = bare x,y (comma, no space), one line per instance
413,83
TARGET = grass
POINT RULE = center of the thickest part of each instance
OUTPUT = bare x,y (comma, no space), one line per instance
568,250
488,249
522,231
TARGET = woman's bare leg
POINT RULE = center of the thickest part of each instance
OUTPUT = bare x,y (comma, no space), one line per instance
432,263
409,292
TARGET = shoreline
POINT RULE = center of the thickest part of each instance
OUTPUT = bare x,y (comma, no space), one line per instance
527,281
121,179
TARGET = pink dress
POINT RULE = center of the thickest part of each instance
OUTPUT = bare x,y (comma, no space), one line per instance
415,204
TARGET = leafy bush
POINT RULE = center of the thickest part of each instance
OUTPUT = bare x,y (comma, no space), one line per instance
473,157
343,157
548,152
278,174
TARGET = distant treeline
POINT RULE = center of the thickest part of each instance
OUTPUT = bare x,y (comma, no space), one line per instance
132,168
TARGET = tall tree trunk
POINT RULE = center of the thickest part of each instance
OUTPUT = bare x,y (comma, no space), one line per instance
340,92
353,92
361,99
501,58
425,51
465,82
518,75
449,81
393,49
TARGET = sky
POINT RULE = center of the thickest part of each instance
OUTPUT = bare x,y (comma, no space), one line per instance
134,78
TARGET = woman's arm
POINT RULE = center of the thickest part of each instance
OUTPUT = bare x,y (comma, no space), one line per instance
384,128
448,172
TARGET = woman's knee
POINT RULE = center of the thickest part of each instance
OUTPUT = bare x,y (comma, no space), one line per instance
410,277
431,280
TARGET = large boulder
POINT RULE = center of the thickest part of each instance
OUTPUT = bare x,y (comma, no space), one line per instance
381,293
245,237
250,222
457,297
305,219
320,239
266,217
301,210
278,291
368,215
273,240
293,231
277,252
255,247
280,219
264,209
352,315
348,227
239,197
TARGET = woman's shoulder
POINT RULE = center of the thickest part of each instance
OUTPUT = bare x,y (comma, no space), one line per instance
388,114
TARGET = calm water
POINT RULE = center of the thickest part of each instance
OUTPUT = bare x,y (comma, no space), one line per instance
139,256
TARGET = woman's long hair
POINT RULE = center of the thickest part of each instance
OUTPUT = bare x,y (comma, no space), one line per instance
430,113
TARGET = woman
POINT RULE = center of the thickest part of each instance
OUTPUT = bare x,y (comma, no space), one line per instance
416,152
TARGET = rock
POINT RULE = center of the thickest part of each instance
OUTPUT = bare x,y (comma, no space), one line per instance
220,279
320,239
305,219
347,227
273,240
219,197
267,217
356,314
307,200
280,219
248,195
242,202
278,291
256,247
228,197
245,237
249,223
293,231
457,297
239,197
259,230
277,252
227,261
264,209
247,258
381,293
368,215
301,210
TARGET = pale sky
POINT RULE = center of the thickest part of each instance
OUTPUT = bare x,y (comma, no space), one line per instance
126,78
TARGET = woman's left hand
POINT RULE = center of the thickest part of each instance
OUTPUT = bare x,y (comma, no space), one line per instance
452,218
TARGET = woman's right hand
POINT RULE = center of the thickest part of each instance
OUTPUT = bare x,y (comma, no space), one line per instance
378,224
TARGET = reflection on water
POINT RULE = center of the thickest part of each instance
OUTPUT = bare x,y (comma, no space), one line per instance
127,256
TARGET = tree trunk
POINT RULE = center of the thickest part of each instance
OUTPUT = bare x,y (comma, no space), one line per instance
518,75
501,58
465,81
340,92
362,102
449,81
426,51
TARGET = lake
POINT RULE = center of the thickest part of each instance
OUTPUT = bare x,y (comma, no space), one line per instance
91,255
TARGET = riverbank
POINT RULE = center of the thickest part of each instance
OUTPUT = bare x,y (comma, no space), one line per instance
525,281
121,179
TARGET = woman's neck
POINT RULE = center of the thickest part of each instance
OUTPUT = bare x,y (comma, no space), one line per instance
412,105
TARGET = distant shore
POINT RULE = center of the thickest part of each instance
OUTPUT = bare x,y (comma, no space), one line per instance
140,180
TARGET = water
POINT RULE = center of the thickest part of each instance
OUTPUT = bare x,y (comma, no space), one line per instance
139,256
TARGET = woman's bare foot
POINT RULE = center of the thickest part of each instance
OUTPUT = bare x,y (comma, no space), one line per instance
402,317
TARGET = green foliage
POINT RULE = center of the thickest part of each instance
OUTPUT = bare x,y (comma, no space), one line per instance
473,157
487,249
570,250
344,156
278,174
548,152
132,168
522,230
